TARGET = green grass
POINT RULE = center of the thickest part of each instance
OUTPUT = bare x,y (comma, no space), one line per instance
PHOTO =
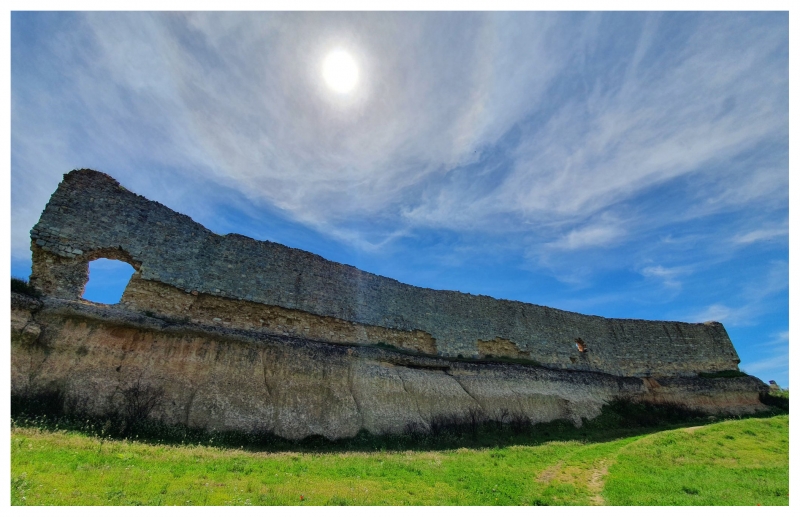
737,462
730,463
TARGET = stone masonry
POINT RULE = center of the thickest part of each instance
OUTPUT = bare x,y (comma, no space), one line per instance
92,216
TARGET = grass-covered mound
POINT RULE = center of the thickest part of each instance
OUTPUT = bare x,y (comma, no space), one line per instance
631,454
744,462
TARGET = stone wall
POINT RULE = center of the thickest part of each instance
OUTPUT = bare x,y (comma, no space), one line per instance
90,216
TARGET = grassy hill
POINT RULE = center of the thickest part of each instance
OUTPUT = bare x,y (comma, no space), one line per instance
734,462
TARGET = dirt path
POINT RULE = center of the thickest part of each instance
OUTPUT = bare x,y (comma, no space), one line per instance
691,430
588,476
593,479
550,473
596,483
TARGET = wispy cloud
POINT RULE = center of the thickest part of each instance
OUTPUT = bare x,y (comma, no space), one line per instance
755,296
723,313
669,276
763,234
777,362
591,235
773,358
238,100
662,118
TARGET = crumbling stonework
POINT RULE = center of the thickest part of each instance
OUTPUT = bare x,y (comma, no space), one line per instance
499,347
92,216
209,310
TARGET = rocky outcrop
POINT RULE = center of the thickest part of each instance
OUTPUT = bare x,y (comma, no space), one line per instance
225,378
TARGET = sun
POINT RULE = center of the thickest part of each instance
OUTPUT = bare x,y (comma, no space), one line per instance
340,71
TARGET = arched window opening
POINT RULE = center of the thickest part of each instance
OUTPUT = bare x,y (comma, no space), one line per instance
107,280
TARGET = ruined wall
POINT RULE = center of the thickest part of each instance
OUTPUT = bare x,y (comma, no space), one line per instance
218,378
91,216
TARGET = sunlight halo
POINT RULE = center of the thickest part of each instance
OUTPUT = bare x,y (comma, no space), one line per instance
340,71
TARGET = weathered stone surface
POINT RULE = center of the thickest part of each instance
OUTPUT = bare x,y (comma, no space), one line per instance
23,329
92,213
225,379
216,310
248,335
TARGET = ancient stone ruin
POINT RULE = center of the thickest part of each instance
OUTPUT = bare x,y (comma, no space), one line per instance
253,335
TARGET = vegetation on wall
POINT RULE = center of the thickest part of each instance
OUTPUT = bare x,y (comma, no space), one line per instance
21,286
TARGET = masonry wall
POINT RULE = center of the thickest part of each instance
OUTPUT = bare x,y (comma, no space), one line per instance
90,216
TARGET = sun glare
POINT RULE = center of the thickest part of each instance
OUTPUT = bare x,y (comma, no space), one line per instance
340,71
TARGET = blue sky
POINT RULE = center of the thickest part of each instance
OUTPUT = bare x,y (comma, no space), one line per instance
628,165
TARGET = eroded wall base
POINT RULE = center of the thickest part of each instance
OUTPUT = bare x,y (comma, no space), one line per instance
225,379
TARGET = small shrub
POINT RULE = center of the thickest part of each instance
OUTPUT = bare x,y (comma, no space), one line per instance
474,419
21,286
779,399
625,414
39,402
414,429
519,423
140,400
445,424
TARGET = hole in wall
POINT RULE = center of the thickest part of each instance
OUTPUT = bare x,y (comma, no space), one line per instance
107,280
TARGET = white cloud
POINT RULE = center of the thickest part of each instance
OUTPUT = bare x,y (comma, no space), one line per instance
778,362
755,297
656,126
773,359
701,105
589,236
238,100
667,275
721,313
764,234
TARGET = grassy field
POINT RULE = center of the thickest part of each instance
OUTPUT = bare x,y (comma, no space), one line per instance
735,462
